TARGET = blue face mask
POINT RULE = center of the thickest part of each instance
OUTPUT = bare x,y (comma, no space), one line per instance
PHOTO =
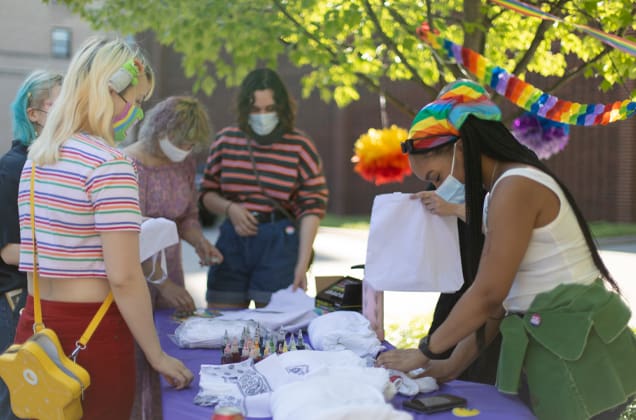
451,189
263,124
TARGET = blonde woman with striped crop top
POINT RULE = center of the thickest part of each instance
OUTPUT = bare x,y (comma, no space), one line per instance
87,222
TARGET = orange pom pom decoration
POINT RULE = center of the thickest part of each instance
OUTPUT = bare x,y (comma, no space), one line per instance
378,155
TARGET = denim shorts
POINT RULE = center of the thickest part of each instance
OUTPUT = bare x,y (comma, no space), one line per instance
253,267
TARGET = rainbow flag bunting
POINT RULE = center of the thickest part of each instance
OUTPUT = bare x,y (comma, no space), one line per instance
614,41
521,93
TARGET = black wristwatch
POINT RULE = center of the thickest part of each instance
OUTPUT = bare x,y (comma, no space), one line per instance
423,346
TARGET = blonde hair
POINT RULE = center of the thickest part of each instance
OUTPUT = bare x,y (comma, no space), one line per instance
84,102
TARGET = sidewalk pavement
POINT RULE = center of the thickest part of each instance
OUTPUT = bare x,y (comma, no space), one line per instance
339,249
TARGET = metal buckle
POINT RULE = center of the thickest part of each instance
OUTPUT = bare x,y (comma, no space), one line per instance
13,297
257,216
78,347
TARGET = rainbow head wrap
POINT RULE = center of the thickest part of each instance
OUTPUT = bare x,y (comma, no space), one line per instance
438,123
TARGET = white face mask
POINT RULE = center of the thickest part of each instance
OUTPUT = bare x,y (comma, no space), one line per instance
171,151
451,189
263,124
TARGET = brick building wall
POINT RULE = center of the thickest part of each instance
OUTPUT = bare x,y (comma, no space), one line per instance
599,163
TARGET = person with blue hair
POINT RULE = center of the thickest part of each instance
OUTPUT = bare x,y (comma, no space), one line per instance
28,111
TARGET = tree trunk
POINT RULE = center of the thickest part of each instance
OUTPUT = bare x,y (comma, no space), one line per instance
474,37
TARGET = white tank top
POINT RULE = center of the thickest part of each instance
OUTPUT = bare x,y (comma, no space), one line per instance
557,252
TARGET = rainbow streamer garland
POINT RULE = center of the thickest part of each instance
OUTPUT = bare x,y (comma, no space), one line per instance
523,94
614,41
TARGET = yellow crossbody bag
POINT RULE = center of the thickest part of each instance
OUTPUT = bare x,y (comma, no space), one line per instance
43,382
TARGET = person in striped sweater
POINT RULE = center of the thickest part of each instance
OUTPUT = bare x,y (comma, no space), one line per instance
87,222
266,177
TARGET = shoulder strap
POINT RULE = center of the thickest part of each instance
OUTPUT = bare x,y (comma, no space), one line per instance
37,308
536,175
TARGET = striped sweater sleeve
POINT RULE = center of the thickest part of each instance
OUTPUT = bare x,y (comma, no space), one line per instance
212,172
313,195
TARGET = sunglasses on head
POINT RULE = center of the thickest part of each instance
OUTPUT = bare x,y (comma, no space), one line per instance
425,144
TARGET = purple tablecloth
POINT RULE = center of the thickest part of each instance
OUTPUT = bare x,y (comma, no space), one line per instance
178,405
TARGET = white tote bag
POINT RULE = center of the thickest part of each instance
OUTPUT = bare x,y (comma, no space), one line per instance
157,234
410,249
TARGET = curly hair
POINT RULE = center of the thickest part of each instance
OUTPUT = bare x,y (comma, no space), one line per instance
183,119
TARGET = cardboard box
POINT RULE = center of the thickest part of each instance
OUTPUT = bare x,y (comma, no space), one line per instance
371,301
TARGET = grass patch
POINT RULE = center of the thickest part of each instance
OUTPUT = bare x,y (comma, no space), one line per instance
600,229
408,335
347,222
630,412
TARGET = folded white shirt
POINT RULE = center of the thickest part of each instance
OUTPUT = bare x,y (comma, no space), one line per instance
286,309
328,397
248,386
344,330
294,366
237,385
209,333
286,299
378,378
362,411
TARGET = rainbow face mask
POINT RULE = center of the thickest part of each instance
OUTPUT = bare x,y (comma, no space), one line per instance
126,119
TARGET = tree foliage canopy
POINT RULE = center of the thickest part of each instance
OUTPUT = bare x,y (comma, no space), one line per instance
349,44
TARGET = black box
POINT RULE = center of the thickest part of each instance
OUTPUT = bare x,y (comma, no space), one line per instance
339,293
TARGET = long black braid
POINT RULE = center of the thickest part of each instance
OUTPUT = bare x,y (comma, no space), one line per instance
493,139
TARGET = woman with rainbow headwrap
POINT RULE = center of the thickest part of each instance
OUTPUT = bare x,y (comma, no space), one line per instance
539,279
